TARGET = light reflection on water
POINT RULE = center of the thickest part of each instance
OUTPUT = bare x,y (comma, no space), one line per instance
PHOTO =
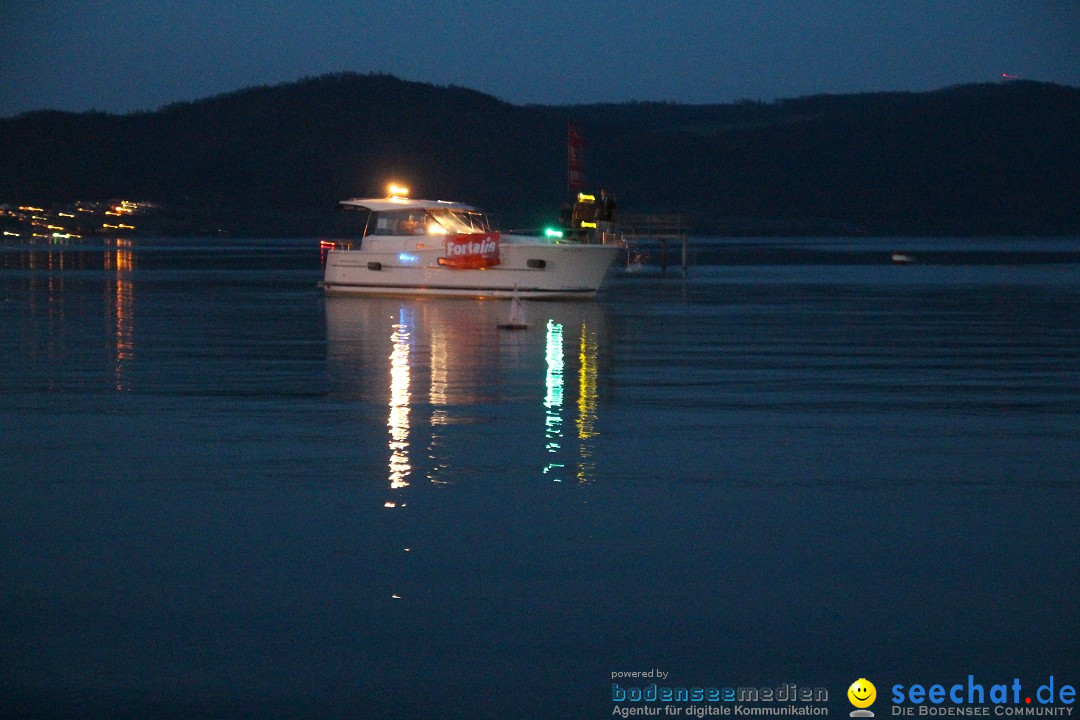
553,398
398,422
587,402
121,306
53,273
471,370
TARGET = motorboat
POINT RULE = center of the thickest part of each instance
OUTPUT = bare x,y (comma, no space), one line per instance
434,247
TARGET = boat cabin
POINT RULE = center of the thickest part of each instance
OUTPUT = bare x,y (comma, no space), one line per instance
396,218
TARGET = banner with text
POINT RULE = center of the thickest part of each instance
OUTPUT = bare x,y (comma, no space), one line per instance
471,251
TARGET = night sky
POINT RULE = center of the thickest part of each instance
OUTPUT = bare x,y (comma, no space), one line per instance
127,55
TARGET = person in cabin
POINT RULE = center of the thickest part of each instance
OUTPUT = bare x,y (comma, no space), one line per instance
412,225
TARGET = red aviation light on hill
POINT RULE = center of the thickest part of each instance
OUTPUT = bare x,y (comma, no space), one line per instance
471,251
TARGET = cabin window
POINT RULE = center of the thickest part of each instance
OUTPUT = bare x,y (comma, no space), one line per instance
438,221
454,222
398,222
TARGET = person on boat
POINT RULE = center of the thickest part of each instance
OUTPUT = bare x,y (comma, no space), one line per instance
411,225
605,209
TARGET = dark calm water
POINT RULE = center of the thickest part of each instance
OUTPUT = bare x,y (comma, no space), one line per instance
223,495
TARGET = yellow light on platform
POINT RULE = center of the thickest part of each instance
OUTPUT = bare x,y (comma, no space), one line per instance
582,197
395,190
587,224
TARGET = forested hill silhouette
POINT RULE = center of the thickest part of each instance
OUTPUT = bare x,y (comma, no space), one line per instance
995,158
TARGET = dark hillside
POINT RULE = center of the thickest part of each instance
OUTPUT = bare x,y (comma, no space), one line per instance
1001,158
975,159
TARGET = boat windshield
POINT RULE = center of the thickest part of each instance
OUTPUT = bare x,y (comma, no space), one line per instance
437,221
454,222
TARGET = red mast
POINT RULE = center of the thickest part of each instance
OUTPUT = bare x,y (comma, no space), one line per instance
575,159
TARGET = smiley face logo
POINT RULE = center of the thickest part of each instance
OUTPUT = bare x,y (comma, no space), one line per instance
862,693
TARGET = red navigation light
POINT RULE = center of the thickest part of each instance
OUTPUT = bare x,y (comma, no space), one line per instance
325,246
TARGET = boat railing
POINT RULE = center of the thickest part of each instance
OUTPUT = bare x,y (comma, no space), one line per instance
641,230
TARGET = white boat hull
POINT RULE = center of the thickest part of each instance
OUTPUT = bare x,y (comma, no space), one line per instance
529,269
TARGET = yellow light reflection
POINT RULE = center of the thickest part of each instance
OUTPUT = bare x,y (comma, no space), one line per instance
586,420
587,352
123,302
553,399
398,422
